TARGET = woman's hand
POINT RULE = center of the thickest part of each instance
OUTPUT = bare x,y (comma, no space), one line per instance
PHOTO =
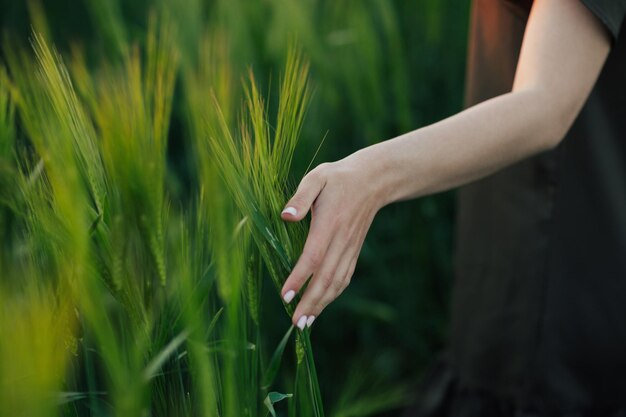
343,200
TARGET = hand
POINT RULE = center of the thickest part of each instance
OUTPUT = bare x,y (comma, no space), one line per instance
343,202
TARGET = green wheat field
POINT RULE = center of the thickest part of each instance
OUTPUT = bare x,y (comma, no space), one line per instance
147,149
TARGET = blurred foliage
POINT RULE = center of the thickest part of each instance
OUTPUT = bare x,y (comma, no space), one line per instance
378,68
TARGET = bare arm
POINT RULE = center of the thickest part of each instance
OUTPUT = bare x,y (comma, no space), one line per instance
563,52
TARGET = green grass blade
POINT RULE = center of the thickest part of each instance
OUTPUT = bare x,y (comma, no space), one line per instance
274,365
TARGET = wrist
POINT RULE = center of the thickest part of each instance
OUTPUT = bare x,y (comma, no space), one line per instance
374,167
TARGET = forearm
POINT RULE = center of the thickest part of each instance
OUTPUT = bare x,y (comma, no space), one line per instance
465,147
563,52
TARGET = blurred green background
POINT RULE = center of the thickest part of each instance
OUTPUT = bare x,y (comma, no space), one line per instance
379,68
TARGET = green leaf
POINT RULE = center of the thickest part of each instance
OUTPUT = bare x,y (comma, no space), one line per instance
66,397
156,363
214,321
272,398
263,227
272,368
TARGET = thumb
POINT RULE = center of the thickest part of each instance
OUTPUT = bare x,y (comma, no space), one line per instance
308,190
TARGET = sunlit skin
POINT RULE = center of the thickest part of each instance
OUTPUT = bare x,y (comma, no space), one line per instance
562,54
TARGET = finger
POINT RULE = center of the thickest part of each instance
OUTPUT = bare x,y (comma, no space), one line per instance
313,253
308,190
344,273
338,285
323,286
354,257
348,274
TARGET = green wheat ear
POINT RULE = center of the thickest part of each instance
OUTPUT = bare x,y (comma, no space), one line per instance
131,104
254,163
253,292
70,111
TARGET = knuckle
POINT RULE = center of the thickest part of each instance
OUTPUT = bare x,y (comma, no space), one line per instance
317,310
345,283
313,176
319,172
350,273
321,168
347,279
322,304
336,284
315,257
327,282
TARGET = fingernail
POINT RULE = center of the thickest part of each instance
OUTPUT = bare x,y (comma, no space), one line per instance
290,210
309,321
289,296
301,322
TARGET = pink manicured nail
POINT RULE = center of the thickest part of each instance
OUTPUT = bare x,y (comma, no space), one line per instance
309,321
289,296
290,210
301,322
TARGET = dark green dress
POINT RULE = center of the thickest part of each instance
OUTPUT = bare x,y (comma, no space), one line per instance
539,299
